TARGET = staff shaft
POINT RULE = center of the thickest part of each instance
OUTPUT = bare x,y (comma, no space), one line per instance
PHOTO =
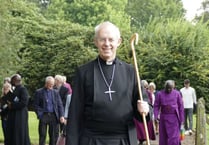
135,37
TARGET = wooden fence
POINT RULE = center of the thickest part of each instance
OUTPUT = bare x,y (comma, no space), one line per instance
201,135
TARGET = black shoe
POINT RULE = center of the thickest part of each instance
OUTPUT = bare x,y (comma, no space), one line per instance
141,142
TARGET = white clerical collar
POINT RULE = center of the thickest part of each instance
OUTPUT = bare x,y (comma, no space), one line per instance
109,62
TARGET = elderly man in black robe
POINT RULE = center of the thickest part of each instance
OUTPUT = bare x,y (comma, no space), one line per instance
17,123
105,96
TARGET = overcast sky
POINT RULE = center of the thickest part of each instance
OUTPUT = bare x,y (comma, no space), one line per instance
192,7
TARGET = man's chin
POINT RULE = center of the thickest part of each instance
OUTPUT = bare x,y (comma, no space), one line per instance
107,56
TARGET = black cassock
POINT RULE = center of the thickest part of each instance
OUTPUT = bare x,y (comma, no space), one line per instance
97,117
17,124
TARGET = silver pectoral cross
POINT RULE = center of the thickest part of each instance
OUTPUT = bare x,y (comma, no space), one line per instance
110,93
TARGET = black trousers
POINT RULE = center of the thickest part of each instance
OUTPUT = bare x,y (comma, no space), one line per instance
48,121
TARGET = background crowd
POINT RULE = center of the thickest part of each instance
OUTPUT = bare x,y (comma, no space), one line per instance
51,105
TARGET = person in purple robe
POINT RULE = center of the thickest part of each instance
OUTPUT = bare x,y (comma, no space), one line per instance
169,106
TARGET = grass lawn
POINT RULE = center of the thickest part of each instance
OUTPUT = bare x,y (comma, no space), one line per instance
33,128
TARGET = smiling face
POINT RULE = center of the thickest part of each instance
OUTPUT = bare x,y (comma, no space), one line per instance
107,39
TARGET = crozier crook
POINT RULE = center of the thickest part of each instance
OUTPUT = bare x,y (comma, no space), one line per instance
135,37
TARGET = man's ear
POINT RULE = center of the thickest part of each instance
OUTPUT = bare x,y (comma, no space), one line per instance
119,41
95,42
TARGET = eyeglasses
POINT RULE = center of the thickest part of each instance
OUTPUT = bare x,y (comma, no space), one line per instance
103,40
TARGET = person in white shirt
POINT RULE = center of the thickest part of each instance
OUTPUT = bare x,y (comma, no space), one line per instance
189,99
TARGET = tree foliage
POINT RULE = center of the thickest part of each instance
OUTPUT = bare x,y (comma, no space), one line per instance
92,12
204,16
143,11
55,10
11,36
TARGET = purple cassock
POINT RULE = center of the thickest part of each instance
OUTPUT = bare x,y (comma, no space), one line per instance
168,108
141,134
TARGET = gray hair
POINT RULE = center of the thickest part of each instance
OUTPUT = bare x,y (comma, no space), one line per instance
49,78
59,78
104,24
170,82
169,86
144,83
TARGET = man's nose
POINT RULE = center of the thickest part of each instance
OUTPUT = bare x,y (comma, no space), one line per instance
107,42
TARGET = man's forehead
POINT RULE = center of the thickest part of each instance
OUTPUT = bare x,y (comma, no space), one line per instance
107,33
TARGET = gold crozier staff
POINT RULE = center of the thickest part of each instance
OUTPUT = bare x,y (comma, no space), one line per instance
135,37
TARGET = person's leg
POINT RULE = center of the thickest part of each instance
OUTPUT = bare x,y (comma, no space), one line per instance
42,129
156,123
42,132
4,125
190,116
185,119
53,130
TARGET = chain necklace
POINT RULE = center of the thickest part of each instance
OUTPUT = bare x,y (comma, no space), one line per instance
109,91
